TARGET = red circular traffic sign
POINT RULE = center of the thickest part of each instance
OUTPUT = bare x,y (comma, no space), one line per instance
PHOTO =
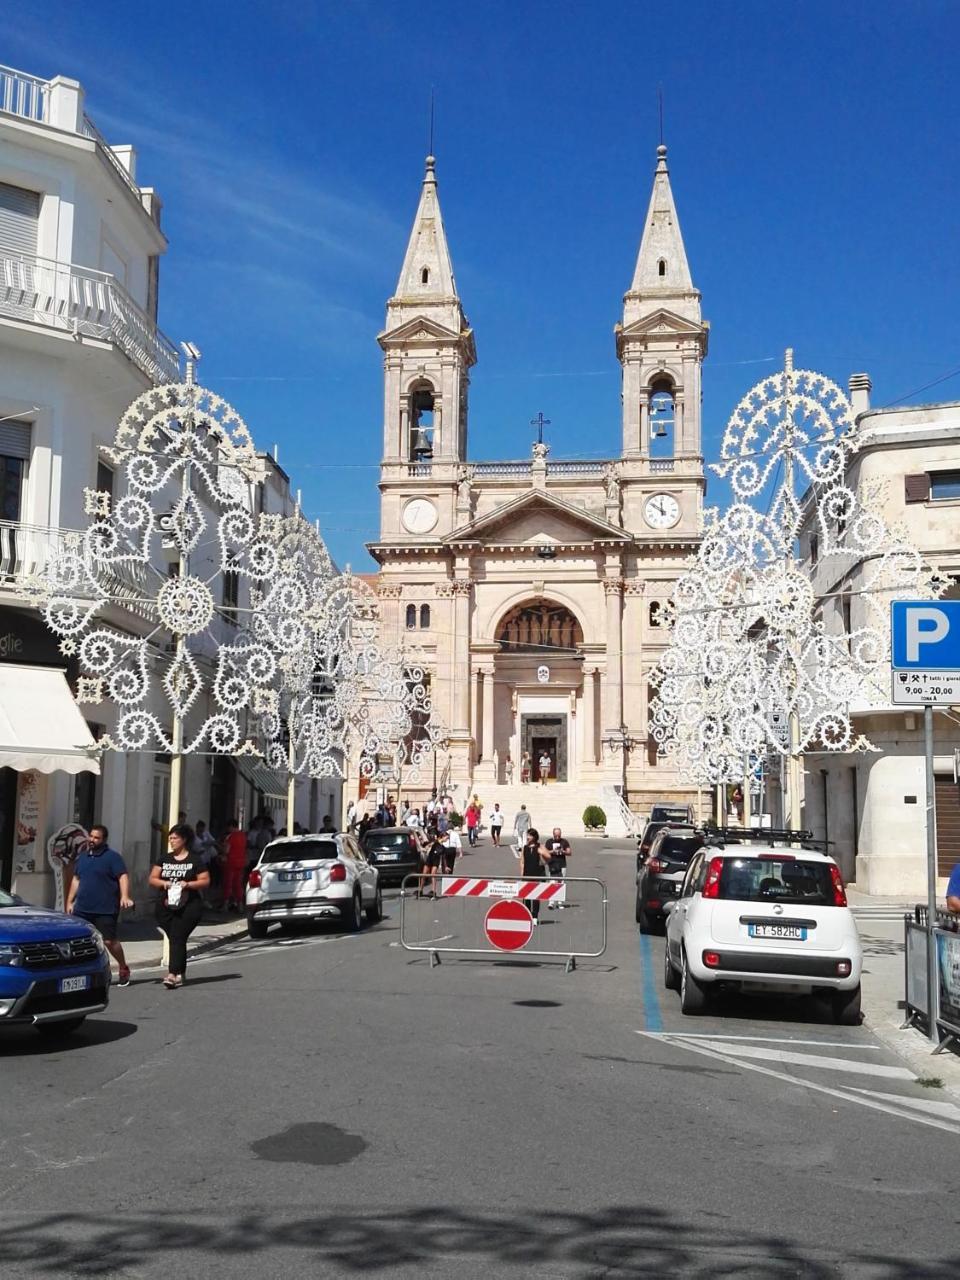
508,925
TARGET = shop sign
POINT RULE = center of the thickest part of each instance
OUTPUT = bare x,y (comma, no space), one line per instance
29,800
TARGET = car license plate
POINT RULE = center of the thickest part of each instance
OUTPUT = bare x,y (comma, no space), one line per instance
790,932
387,857
295,875
73,984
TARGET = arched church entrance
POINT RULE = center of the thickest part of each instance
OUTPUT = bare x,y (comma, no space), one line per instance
539,668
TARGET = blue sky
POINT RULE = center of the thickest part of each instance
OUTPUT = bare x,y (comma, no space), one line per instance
813,157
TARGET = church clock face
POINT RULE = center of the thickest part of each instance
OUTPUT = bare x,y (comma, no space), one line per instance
419,515
661,511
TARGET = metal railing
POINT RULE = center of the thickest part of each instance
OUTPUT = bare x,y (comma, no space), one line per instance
59,295
610,796
943,1003
90,130
27,551
22,94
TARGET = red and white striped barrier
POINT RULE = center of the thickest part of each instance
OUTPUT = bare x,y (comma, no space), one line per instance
530,890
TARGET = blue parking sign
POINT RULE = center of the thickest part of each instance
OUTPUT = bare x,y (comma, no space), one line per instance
925,652
925,635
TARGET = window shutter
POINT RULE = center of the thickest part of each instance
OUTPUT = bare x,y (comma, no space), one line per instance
916,488
15,440
19,211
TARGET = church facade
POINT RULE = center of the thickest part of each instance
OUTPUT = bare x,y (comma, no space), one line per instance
534,589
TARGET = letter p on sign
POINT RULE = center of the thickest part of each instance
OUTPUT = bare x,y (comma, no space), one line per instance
925,626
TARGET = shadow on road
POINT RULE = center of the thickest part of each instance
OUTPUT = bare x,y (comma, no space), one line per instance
627,1240
24,1041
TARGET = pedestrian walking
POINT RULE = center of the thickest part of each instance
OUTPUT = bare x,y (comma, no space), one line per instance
496,825
236,854
533,859
432,859
521,824
451,850
99,890
472,817
352,816
953,890
508,771
558,847
545,765
181,878
525,765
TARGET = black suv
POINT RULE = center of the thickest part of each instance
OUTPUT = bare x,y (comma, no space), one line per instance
394,851
660,874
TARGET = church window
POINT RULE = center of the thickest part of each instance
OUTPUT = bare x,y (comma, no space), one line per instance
425,275
662,267
656,613
662,412
411,617
533,628
424,617
421,422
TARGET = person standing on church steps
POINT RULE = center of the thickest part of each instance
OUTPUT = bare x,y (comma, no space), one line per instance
546,764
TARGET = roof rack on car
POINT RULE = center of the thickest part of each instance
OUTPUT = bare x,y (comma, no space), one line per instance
767,835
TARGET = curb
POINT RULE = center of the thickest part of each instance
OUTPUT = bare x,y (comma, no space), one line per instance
915,1053
232,929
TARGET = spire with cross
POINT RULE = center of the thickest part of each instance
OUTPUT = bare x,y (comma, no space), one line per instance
540,449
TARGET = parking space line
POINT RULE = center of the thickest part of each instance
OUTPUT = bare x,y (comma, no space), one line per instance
652,1017
822,1044
814,1060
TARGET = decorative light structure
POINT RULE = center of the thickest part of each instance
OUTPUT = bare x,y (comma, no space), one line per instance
188,467
762,661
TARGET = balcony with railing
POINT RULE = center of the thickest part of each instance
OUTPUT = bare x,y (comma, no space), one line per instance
85,303
27,552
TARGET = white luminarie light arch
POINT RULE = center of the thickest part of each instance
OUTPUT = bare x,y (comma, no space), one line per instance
753,668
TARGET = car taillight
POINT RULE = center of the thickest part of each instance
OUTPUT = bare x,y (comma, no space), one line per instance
254,879
338,871
711,959
839,893
711,886
656,866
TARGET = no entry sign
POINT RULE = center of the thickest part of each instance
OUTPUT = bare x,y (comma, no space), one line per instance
508,925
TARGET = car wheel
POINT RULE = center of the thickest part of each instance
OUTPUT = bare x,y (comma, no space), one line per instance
353,914
54,1030
694,996
846,1007
256,928
670,979
375,911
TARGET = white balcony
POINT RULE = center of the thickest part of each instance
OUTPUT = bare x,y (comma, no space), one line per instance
85,303
26,552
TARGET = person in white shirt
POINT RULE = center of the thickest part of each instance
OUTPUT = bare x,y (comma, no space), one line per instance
412,818
496,825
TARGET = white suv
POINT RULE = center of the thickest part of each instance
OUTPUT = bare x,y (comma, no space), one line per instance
314,877
758,917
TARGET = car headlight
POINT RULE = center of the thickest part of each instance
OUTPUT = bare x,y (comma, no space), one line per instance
98,939
11,957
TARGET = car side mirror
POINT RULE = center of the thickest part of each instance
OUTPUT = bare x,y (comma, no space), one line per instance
668,907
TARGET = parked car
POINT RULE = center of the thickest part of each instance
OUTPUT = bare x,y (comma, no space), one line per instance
394,851
660,875
652,830
664,811
760,918
312,878
54,968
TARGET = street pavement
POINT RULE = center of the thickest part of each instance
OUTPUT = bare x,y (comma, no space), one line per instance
332,1105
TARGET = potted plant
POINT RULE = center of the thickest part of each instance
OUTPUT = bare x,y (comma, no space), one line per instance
594,820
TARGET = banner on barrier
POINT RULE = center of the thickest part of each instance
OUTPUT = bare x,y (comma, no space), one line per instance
948,964
543,890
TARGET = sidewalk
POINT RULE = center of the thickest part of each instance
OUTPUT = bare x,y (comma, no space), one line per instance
143,942
880,921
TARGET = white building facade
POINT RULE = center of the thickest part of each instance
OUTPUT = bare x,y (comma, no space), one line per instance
534,589
80,248
872,804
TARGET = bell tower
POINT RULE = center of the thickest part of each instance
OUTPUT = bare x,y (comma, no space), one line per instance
428,350
662,340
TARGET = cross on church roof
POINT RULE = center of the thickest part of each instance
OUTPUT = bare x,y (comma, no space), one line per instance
540,422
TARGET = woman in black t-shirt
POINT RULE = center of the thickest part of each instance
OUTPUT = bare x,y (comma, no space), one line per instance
532,866
181,877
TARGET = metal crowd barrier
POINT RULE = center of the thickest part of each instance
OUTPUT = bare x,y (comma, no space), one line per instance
570,915
945,1002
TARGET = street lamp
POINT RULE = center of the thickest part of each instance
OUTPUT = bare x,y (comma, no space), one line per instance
623,740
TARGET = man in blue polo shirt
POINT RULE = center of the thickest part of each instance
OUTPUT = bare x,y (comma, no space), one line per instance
99,888
953,890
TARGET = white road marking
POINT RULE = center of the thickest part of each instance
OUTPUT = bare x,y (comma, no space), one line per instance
815,1060
948,1110
711,1035
861,1098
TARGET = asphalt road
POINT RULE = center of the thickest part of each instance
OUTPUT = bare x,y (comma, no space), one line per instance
333,1106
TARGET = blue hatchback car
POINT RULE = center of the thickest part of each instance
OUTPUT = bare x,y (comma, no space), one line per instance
54,968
